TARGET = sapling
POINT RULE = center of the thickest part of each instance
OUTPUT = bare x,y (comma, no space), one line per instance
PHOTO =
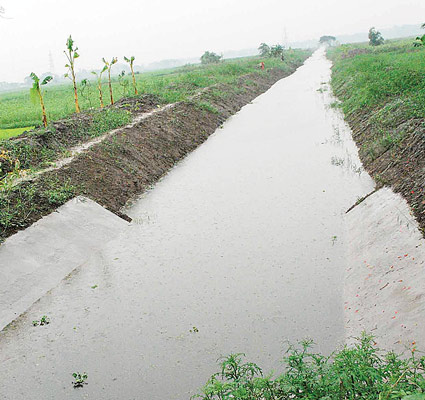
86,90
99,84
37,94
108,65
71,55
131,61
122,79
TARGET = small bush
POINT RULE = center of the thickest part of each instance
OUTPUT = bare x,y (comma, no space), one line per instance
58,194
358,372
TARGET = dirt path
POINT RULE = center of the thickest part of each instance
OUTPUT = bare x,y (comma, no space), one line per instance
238,249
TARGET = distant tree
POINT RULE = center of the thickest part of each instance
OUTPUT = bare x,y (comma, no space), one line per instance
420,40
37,94
131,61
108,65
264,50
375,37
72,55
327,39
276,51
99,83
2,12
210,58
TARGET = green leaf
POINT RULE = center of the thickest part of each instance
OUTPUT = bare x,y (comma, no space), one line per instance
46,80
70,43
34,77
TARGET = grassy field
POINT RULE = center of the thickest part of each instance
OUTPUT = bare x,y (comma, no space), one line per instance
382,94
17,110
8,133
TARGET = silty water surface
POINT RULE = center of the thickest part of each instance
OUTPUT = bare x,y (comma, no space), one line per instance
239,248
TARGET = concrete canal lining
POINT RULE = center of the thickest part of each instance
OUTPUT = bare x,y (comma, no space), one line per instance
385,280
35,260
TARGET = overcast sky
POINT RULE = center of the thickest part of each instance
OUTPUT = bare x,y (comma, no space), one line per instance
159,29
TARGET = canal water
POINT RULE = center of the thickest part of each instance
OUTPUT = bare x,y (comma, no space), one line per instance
240,248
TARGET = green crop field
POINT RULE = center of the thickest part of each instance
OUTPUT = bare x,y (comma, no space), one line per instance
18,111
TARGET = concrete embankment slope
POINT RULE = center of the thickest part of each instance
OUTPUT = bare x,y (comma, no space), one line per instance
385,282
37,259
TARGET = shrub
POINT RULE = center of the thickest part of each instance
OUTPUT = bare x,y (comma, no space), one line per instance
358,372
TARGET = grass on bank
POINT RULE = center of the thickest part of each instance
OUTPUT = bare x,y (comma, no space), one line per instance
391,75
385,83
358,372
17,110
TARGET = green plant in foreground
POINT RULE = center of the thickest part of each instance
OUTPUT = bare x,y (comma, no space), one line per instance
131,61
358,372
71,54
36,93
44,320
108,65
79,379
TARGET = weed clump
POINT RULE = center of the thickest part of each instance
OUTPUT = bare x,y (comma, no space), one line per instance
44,320
359,372
79,379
